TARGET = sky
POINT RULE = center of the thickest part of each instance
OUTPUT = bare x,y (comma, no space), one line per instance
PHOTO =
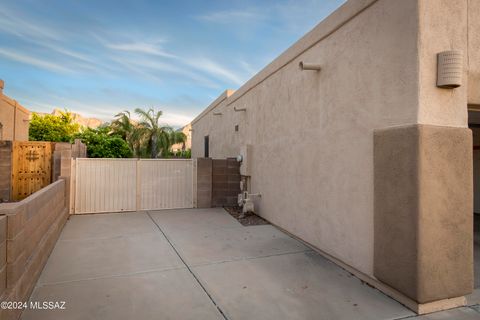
100,57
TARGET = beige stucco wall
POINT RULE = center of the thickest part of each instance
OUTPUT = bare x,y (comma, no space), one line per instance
473,52
443,26
312,132
187,131
14,118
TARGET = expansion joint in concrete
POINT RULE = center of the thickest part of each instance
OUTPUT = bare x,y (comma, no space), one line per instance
189,269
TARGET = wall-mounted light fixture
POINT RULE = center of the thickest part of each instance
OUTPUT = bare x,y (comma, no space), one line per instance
449,69
239,109
309,66
217,113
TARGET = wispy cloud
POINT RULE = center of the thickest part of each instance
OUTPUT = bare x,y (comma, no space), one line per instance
175,119
159,71
14,23
248,68
33,61
103,111
140,47
231,16
98,61
215,69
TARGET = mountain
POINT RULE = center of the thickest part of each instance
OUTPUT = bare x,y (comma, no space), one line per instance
77,118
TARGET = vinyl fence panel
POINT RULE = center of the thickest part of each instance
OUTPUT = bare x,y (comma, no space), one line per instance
165,184
114,185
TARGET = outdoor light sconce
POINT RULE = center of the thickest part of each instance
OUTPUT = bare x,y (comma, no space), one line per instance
449,69
239,109
309,66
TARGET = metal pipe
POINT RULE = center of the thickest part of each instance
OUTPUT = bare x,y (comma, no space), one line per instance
255,195
309,66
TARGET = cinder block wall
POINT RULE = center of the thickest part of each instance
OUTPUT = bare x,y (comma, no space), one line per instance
225,182
62,157
79,149
218,182
32,229
3,255
204,183
5,170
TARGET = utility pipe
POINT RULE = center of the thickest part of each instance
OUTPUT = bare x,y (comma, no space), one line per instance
309,66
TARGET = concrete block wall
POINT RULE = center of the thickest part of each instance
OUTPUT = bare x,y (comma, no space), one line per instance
3,254
63,154
79,149
5,170
225,182
32,229
204,183
62,157
218,182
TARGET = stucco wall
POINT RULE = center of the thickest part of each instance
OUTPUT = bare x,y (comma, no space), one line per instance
14,119
443,26
473,52
312,133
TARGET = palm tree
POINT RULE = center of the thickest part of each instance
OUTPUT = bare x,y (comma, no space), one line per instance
178,137
156,137
124,126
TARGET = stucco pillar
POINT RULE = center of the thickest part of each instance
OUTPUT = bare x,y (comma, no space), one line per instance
424,211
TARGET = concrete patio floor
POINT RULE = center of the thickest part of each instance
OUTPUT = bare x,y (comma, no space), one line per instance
200,264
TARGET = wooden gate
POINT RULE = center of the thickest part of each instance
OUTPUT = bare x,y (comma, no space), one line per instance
31,167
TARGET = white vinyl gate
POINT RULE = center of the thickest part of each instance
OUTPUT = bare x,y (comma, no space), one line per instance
113,185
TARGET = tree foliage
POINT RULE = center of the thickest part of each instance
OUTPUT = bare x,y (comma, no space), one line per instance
123,138
102,144
125,127
147,137
55,128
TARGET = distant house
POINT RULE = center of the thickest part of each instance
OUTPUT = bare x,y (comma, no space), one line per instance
13,118
187,130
